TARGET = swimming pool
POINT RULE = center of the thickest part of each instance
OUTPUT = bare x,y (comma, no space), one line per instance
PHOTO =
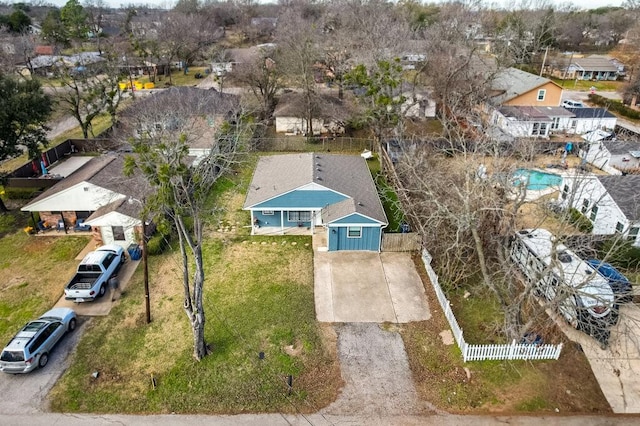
536,180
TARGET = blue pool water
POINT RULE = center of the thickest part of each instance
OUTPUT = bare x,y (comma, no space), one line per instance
536,180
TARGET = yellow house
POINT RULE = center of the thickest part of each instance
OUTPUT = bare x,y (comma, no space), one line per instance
513,87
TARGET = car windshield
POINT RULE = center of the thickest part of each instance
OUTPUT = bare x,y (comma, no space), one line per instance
12,356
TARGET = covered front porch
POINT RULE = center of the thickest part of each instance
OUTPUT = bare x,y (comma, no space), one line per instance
295,230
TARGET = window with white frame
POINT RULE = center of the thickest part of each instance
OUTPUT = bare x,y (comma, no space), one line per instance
555,123
354,231
619,228
541,94
539,129
299,216
267,212
633,233
565,192
594,213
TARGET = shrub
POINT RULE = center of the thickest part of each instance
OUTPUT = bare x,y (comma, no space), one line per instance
21,193
615,106
620,253
580,221
158,243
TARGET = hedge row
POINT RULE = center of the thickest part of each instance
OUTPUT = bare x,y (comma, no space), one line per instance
615,106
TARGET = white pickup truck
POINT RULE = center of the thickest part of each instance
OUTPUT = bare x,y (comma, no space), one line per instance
94,271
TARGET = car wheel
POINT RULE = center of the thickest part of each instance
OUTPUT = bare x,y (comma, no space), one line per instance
102,290
72,324
44,359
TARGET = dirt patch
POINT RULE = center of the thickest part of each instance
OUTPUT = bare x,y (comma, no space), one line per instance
567,385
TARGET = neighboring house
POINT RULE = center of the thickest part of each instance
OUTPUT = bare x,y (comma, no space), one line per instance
586,120
593,67
302,191
621,155
97,192
210,108
418,102
528,121
611,203
329,114
513,87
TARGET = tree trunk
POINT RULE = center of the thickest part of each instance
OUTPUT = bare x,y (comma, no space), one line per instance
3,207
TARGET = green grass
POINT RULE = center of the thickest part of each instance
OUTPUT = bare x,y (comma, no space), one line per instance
258,297
34,271
479,315
585,85
178,78
388,196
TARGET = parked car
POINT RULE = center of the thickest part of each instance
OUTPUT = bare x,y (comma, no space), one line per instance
30,348
569,103
93,274
621,286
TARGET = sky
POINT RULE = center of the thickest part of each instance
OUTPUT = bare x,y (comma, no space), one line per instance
584,4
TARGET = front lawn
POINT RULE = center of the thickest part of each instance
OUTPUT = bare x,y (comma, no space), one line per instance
586,85
34,271
258,299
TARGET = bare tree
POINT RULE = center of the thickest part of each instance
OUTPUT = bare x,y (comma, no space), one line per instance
162,128
263,74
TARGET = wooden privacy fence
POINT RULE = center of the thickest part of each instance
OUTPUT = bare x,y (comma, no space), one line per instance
408,241
485,352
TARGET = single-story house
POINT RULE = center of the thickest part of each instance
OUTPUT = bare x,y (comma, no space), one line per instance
588,119
514,87
611,203
620,155
209,108
593,67
329,114
98,193
299,192
527,121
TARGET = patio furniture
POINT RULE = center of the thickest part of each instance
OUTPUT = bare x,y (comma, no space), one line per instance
81,227
60,226
43,226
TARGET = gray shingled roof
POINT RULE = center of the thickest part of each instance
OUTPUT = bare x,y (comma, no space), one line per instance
326,107
625,191
105,171
622,147
595,63
346,174
512,82
591,113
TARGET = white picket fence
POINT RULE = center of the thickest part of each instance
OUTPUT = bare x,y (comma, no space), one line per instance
485,352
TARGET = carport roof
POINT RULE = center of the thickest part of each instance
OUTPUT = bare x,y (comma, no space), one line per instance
345,174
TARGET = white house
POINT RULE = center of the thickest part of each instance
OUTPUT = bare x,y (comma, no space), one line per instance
613,156
585,120
98,193
329,114
528,121
611,203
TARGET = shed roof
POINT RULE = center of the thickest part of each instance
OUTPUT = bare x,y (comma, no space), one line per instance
346,174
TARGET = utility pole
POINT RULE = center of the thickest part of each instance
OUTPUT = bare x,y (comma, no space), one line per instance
544,60
145,264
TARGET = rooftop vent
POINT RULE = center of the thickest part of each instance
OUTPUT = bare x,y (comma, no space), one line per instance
360,204
564,257
318,178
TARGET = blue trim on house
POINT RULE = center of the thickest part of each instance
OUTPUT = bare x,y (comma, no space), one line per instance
301,200
355,218
369,240
267,220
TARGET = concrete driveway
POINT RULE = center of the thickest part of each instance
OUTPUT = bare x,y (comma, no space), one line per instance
102,306
616,368
354,286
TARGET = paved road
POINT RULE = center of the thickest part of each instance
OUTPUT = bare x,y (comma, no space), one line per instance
26,393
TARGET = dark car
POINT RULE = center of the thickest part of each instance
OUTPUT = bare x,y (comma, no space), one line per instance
620,285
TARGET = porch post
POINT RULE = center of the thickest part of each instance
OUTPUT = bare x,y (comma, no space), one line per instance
282,221
64,225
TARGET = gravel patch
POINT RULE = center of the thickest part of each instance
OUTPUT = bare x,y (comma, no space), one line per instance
376,373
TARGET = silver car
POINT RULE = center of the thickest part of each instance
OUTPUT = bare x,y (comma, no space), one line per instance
30,348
